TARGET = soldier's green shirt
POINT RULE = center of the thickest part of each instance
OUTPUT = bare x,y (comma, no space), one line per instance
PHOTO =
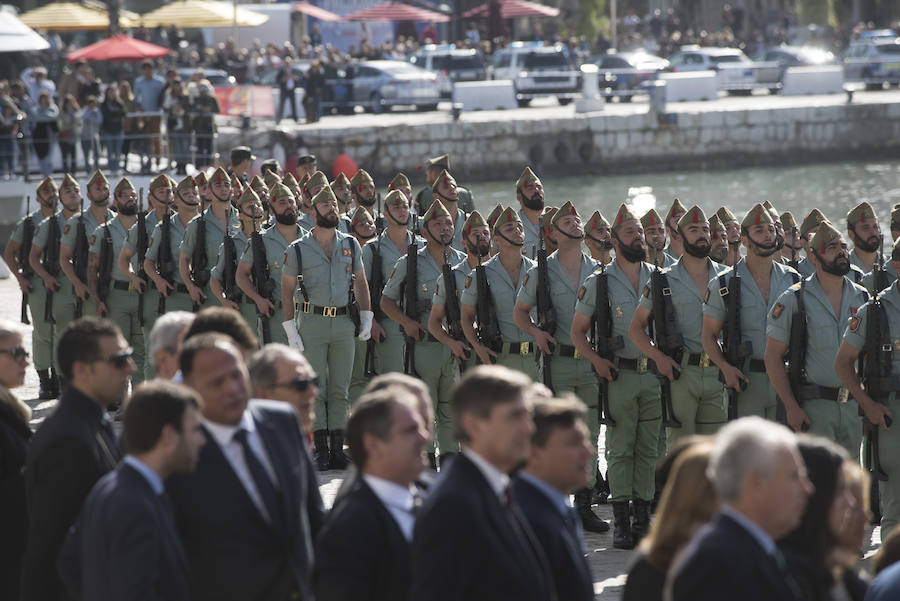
389,253
687,301
118,234
504,292
868,280
41,229
306,221
855,334
215,233
623,301
18,234
239,239
824,330
461,217
754,308
176,234
90,224
532,235
327,279
150,222
427,274
460,272
806,268
275,246
563,292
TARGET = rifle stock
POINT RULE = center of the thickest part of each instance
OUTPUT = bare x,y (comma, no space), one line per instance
545,312
24,252
488,328
735,349
262,280
604,345
80,258
410,305
141,250
668,341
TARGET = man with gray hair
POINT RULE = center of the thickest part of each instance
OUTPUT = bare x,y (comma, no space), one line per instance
760,479
281,373
165,338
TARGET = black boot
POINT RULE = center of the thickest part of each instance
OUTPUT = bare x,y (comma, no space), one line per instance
46,390
320,452
445,459
589,521
432,461
641,524
55,383
337,458
601,490
622,538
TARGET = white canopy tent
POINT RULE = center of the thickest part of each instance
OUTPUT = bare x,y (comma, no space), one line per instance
15,36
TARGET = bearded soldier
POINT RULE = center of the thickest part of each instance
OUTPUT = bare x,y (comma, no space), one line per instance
732,232
446,192
718,249
676,211
425,198
655,234
530,194
807,230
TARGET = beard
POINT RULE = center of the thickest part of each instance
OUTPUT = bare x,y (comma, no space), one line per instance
326,221
699,250
839,267
869,246
535,203
719,254
366,202
634,253
481,250
128,210
289,217
603,244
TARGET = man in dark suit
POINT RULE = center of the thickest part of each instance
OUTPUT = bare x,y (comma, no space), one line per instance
287,81
74,447
125,542
362,553
249,513
761,480
559,465
471,540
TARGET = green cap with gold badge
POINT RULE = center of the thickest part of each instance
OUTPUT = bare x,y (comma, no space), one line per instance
674,210
693,215
97,177
564,211
248,195
651,218
527,176
326,195
811,222
825,235
757,215
439,162
400,181
493,215
124,184
860,212
436,210
443,178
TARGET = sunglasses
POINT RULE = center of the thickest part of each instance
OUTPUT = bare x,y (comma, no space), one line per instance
299,384
18,353
121,359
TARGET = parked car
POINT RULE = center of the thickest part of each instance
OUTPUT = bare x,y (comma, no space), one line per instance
537,70
625,72
380,85
735,72
217,77
874,61
872,34
451,64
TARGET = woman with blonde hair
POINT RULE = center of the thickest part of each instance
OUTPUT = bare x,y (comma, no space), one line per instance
14,435
688,502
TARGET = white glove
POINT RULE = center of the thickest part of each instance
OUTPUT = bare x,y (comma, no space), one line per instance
293,336
365,324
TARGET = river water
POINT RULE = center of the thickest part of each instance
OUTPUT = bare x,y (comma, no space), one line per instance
834,188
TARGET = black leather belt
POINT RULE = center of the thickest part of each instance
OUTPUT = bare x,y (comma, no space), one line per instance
120,285
640,365
518,348
323,311
808,392
699,360
757,366
567,350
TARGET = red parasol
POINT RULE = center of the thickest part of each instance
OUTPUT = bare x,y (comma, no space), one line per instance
119,48
397,11
510,9
316,12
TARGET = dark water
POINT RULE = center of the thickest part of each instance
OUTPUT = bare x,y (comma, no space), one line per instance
834,188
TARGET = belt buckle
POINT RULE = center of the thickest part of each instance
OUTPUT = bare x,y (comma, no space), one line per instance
576,354
307,306
704,360
524,348
329,311
642,364
843,395
131,287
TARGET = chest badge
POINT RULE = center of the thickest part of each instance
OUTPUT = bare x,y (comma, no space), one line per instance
619,313
424,288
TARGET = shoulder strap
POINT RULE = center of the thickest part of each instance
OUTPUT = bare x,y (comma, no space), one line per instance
300,283
795,277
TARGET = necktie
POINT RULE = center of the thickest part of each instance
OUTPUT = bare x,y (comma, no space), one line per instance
574,522
264,485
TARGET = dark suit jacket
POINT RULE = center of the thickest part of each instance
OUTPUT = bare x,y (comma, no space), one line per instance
67,455
14,435
465,547
234,553
725,561
124,545
564,552
361,554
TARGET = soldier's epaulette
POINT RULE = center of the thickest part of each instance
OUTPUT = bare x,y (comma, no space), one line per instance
194,218
597,272
795,287
860,288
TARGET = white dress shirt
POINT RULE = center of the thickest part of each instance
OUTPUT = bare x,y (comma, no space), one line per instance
497,480
234,453
398,500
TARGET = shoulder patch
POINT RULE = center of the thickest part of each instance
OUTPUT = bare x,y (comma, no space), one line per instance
777,310
646,292
582,291
525,279
347,252
67,228
92,240
854,323
468,281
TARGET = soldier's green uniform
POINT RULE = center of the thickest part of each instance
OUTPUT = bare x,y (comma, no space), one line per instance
889,441
759,397
807,228
358,378
831,413
122,301
868,280
38,297
215,236
151,294
425,199
697,395
434,361
632,444
178,299
460,273
239,241
322,318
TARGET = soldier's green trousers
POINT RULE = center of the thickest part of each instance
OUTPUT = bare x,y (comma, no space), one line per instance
838,422
389,352
578,377
889,491
698,400
64,305
122,306
330,346
439,369
42,336
248,312
151,302
523,363
358,379
631,445
759,399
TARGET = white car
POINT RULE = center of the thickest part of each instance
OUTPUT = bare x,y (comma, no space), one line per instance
537,70
735,72
451,64
875,61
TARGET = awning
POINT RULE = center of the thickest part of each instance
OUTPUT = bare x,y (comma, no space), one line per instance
311,10
119,48
397,11
203,13
15,36
510,9
71,16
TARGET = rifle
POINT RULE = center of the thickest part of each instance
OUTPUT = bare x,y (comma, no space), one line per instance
376,285
80,257
353,310
797,346
410,305
50,262
451,305
229,271
879,272
604,344
794,263
668,339
262,279
24,252
199,260
735,350
141,249
488,327
104,276
165,264
546,314
379,218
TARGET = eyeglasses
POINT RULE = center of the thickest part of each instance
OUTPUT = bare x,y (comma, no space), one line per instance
121,359
299,384
17,353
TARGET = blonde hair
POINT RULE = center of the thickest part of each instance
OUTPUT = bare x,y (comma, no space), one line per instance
9,330
688,501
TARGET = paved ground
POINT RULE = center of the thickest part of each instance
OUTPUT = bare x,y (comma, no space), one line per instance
608,564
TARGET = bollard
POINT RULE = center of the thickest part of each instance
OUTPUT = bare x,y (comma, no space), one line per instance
590,100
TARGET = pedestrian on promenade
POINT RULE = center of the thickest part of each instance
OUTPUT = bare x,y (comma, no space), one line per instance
91,120
69,131
45,126
112,132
